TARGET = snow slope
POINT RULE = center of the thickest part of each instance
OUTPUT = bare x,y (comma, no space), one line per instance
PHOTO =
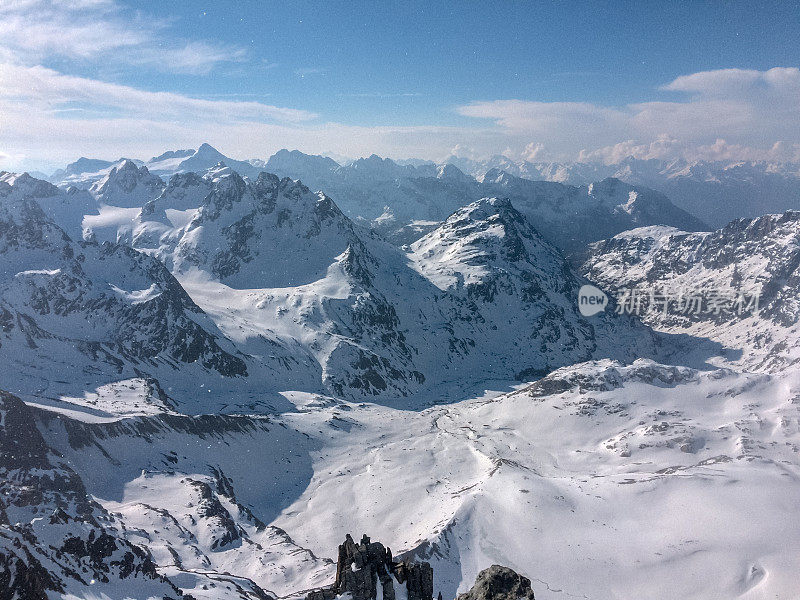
598,481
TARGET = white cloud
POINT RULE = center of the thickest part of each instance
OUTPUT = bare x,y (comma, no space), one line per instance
732,83
56,118
47,90
733,115
750,109
96,30
533,151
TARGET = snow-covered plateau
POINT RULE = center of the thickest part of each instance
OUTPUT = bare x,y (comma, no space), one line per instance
215,369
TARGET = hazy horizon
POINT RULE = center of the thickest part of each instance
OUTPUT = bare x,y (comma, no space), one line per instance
104,78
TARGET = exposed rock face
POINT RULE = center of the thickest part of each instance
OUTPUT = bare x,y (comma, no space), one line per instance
362,567
499,583
737,285
127,185
93,307
53,536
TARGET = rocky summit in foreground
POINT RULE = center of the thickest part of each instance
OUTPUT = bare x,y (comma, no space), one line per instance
499,583
367,571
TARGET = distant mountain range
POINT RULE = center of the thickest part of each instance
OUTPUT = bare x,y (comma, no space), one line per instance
713,192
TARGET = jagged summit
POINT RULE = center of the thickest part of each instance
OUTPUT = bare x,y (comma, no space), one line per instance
367,571
127,185
243,226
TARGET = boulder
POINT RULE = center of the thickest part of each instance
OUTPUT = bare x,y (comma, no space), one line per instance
499,583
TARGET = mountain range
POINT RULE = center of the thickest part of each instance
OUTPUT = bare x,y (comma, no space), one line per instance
217,368
714,192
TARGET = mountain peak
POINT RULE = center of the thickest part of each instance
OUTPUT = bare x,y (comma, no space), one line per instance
289,161
486,207
489,231
206,153
127,185
451,172
127,164
86,165
206,148
28,186
497,175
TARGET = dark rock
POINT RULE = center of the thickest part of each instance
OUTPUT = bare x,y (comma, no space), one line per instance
361,566
499,583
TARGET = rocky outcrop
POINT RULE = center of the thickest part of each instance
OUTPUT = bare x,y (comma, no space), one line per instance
367,570
499,583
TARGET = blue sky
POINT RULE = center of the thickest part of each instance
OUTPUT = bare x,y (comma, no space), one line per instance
534,80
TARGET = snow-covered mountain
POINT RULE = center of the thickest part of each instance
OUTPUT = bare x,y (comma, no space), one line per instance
306,297
573,216
87,172
490,256
714,192
67,207
99,312
312,166
394,196
269,257
738,285
265,233
197,161
79,167
55,540
127,186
